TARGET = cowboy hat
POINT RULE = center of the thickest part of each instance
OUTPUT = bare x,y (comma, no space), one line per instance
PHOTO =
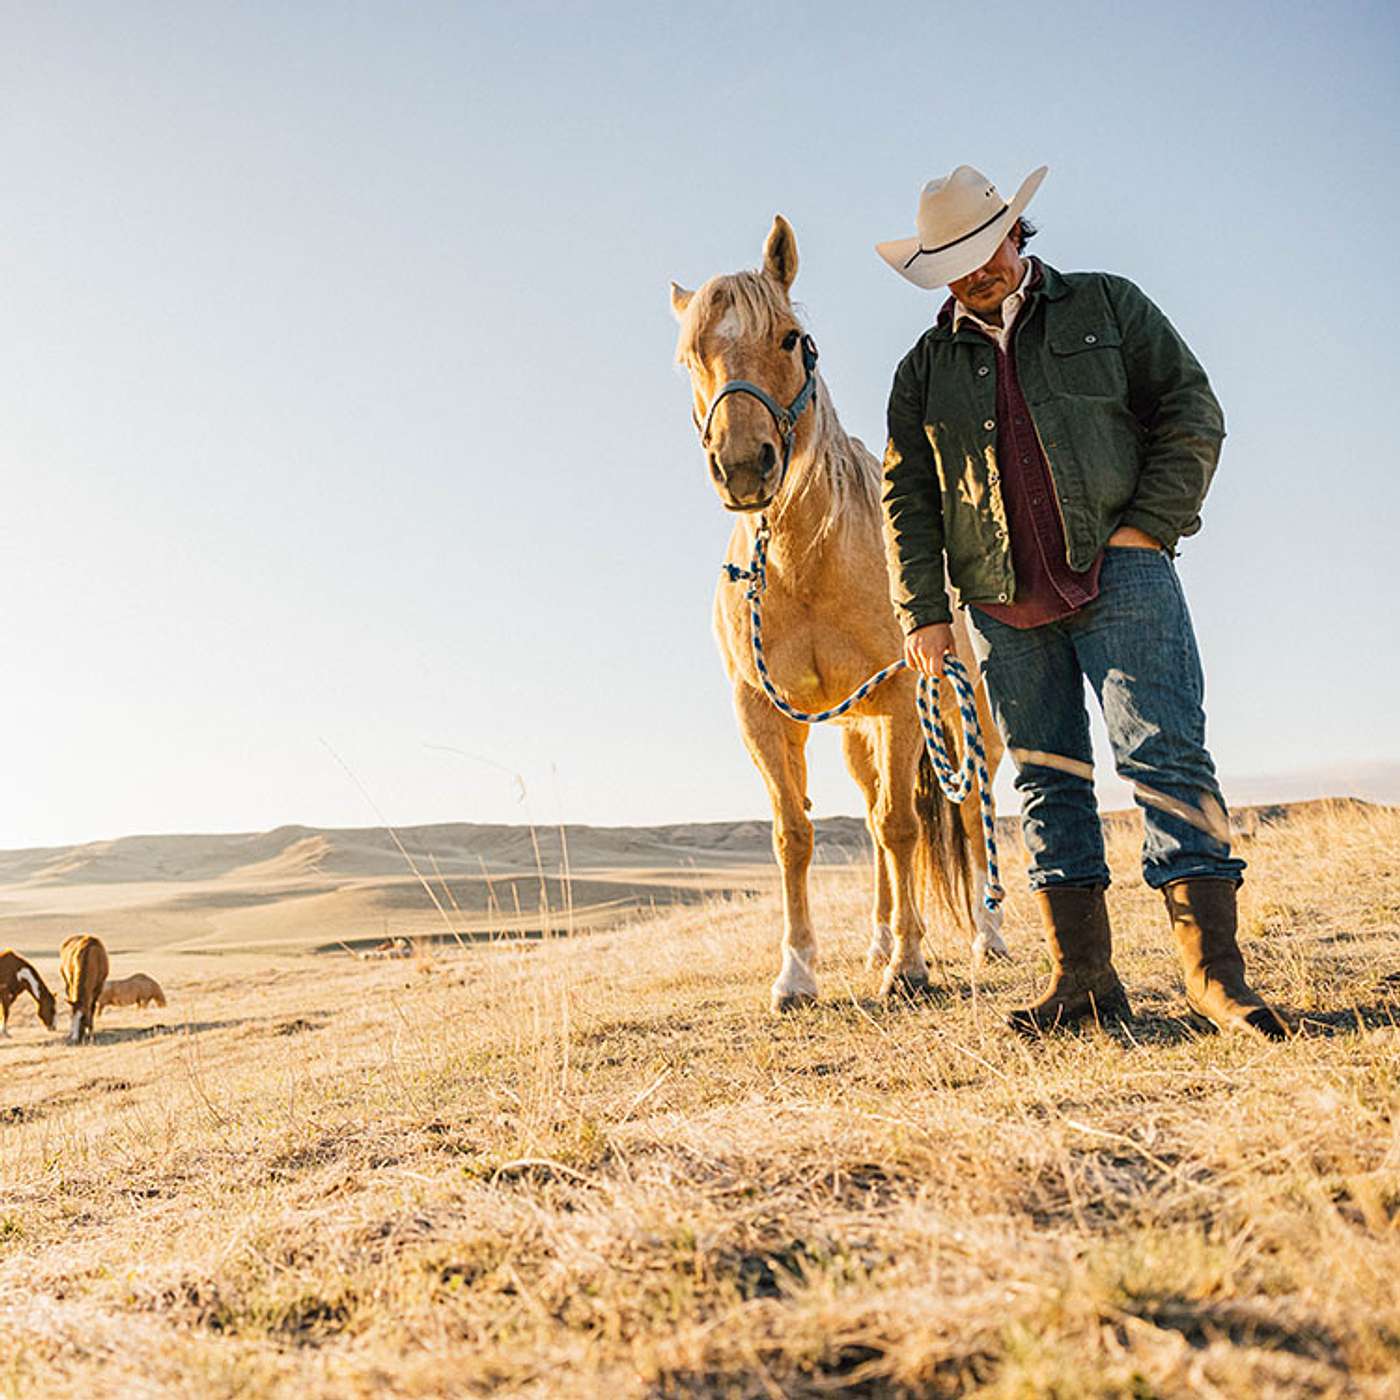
961,222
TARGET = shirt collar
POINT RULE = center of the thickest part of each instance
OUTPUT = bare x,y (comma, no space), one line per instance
1010,308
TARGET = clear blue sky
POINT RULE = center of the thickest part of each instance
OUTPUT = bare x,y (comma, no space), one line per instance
337,402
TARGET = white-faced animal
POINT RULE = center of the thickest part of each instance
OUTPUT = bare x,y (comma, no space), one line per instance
16,976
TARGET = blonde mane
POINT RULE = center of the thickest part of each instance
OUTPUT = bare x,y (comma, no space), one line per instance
837,462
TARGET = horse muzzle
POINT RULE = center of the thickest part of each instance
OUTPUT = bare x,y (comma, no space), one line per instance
748,485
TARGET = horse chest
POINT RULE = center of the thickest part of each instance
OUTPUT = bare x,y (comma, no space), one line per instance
811,654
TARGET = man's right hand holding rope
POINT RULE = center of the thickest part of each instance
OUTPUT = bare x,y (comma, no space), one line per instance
925,648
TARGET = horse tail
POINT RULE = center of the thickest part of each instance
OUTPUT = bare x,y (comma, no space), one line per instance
944,864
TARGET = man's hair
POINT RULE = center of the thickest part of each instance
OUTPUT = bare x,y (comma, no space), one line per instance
1025,231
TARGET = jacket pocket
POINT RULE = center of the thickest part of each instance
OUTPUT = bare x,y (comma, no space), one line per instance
1087,362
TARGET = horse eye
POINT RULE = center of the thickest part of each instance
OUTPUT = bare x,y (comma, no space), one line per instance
790,340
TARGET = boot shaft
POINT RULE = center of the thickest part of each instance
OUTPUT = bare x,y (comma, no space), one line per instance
1077,930
1205,922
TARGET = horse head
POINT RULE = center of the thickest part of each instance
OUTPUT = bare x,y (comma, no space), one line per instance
752,373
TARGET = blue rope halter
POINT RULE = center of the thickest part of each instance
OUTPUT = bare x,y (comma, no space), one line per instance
955,783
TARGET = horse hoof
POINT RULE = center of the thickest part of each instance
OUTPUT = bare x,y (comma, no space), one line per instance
785,1003
877,955
989,948
905,986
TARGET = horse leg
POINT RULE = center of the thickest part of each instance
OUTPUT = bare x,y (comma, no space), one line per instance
859,750
778,747
896,824
987,941
5,1000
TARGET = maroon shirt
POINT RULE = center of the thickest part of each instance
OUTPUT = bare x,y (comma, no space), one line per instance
1047,589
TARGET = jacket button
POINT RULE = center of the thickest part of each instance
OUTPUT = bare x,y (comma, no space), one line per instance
983,371
1091,340
990,424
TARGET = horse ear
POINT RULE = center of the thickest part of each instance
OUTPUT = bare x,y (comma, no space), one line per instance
780,252
680,299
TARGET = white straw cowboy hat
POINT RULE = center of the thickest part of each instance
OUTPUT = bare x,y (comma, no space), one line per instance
961,222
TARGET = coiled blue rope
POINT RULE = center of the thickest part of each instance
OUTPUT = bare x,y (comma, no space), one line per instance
956,783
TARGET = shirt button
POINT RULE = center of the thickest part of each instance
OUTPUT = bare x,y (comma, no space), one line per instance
983,371
994,477
990,424
1091,340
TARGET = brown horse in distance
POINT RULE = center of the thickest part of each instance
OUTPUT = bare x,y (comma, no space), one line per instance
828,625
136,990
83,961
16,976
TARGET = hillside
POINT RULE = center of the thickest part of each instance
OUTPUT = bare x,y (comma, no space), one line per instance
301,889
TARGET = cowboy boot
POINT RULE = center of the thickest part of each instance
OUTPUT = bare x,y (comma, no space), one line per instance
1082,980
1204,921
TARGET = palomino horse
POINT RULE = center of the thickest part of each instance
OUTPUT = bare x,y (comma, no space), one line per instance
16,976
136,990
83,962
828,623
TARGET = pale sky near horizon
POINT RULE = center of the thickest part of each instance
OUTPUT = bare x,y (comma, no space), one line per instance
338,413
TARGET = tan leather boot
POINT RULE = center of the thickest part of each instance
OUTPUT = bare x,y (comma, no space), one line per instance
1204,921
1082,980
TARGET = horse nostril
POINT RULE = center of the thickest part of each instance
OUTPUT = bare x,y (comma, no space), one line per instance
716,470
766,458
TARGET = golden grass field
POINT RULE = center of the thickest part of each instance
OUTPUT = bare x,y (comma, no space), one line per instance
597,1166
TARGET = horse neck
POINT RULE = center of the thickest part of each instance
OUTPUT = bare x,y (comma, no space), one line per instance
803,520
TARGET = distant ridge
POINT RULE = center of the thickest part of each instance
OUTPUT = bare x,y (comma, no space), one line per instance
293,854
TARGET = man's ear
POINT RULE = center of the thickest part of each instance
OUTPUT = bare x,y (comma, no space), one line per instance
680,299
780,252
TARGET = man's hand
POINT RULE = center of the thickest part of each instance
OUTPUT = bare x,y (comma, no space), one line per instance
1130,537
925,648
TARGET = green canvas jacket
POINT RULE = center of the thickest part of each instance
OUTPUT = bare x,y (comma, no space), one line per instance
1124,413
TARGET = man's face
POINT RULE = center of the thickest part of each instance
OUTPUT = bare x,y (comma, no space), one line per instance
984,290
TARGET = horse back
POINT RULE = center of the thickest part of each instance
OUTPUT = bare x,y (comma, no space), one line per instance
83,962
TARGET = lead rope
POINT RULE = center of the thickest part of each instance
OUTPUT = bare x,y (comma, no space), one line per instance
956,784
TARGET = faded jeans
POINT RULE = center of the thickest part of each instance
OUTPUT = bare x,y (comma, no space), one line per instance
1135,645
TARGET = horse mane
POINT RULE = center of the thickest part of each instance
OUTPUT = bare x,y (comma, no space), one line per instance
843,464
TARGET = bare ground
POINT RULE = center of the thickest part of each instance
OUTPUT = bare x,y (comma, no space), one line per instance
597,1166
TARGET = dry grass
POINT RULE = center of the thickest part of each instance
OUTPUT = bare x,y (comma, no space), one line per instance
599,1167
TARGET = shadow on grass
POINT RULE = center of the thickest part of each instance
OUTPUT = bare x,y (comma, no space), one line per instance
1380,1015
123,1035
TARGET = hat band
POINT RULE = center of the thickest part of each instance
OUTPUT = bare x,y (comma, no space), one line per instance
943,247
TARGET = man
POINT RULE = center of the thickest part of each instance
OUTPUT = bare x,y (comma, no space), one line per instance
1052,437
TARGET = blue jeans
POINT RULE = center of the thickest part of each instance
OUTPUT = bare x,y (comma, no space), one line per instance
1135,645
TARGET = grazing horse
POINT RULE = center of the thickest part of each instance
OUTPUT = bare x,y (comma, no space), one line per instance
136,990
828,623
83,961
16,976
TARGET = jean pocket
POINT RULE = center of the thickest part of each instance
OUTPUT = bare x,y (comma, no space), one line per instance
1125,551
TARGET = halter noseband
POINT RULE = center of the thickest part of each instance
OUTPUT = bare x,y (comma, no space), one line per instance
784,419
